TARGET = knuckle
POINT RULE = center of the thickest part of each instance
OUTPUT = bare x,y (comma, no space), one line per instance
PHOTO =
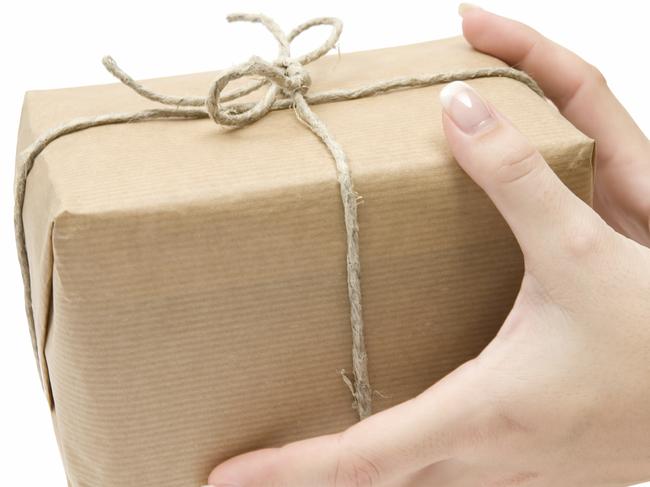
354,468
595,75
506,423
582,238
518,165
492,425
503,421
505,400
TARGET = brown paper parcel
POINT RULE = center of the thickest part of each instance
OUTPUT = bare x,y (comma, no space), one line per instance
189,281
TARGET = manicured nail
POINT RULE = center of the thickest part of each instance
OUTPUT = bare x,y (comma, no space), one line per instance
463,8
466,107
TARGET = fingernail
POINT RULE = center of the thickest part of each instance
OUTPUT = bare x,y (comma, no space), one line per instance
463,8
466,107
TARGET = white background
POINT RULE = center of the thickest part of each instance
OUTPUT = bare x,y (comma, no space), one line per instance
58,44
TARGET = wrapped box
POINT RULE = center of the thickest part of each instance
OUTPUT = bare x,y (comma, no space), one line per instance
189,280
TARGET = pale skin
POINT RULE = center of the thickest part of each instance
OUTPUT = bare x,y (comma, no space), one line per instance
561,396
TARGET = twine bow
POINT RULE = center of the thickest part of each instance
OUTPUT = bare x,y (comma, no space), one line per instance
288,83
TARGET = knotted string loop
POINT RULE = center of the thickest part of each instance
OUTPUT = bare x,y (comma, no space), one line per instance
286,75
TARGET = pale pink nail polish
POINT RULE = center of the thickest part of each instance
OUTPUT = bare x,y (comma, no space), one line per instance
466,107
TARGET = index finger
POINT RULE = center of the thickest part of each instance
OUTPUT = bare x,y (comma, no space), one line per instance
576,87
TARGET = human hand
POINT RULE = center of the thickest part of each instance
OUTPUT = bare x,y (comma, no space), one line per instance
560,396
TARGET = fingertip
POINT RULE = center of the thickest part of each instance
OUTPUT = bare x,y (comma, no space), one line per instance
472,22
465,7
498,36
243,470
454,136
469,111
219,477
447,125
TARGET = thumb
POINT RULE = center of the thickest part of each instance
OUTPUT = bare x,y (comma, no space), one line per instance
432,427
538,207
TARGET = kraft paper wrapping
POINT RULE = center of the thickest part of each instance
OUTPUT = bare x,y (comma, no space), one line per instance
189,281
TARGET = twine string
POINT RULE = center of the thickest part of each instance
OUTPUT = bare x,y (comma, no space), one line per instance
287,82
